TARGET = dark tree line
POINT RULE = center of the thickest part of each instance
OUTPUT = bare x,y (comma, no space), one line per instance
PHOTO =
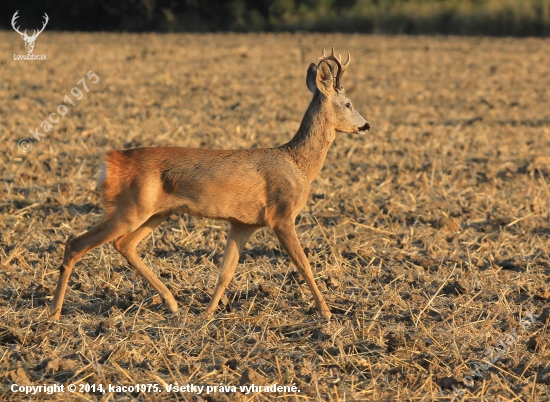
462,17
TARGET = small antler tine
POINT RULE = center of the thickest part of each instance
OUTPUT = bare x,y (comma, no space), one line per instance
15,17
323,56
348,60
332,53
340,57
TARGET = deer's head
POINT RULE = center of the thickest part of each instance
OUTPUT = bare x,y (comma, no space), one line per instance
29,40
324,80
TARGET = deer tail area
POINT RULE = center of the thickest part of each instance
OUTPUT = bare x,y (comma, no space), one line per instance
111,173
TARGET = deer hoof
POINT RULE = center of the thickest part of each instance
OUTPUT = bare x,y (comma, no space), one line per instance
171,305
55,316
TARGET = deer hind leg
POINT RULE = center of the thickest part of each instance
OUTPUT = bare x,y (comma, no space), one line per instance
286,234
109,228
126,245
236,240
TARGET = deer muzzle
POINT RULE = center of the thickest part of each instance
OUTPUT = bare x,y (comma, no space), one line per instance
364,128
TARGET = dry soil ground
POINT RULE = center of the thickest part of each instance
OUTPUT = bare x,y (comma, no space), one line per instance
429,236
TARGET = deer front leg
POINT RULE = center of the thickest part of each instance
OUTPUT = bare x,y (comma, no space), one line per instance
236,240
286,234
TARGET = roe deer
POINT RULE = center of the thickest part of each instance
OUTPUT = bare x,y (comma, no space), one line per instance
250,189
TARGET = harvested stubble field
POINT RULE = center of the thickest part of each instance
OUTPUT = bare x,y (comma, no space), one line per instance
429,236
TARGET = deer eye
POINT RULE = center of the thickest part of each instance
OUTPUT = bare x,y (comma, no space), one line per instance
348,105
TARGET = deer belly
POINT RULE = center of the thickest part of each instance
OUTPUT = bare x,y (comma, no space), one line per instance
224,202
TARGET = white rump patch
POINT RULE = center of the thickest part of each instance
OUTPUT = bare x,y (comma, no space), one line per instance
102,174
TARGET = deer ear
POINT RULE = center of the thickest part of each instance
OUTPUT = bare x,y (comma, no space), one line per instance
311,77
324,80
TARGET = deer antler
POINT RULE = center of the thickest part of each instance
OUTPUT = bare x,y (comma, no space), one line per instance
338,61
45,16
15,16
24,34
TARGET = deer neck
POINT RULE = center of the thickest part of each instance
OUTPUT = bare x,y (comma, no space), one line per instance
310,145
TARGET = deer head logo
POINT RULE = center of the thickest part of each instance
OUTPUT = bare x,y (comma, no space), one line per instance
29,40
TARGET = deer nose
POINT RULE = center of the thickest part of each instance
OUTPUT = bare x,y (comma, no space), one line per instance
366,127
